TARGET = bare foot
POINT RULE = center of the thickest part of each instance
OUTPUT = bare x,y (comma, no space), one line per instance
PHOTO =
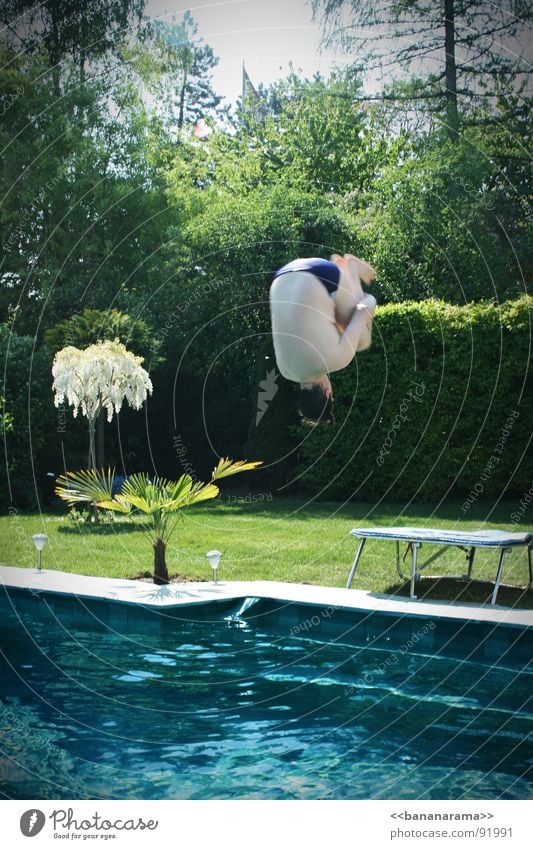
364,270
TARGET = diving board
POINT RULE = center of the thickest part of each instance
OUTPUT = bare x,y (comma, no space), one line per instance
468,541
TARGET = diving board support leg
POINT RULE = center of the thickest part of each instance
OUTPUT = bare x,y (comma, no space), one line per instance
503,552
398,567
415,547
470,561
355,563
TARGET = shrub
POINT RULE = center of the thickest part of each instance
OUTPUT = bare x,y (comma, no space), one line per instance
438,405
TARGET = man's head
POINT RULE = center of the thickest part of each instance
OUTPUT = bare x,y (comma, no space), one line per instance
315,402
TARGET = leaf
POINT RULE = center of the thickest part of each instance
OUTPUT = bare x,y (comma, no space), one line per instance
227,467
118,505
86,485
203,492
179,489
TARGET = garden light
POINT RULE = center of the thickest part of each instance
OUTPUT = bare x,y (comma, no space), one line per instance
214,559
39,541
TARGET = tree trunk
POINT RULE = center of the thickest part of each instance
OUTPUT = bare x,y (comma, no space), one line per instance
161,575
181,114
452,113
93,509
54,51
92,455
100,421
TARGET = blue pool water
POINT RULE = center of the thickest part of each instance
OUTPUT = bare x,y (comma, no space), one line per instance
233,707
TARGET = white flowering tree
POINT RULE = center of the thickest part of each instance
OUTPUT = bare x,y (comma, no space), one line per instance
99,378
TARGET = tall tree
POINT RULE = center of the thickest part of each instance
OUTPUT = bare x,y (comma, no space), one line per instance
313,133
81,197
461,53
186,63
82,30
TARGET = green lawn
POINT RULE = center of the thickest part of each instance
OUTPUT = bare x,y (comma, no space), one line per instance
282,540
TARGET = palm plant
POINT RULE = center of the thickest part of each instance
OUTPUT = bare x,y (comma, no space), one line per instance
160,500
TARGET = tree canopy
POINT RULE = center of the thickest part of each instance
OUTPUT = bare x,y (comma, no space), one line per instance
118,221
456,55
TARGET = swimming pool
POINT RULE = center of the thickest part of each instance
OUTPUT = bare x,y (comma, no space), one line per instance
258,699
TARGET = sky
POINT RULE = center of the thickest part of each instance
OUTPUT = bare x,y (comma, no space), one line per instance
266,34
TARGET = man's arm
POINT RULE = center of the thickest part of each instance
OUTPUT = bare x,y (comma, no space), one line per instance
349,291
349,341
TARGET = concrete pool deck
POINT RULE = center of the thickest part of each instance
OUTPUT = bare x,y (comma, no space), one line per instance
177,595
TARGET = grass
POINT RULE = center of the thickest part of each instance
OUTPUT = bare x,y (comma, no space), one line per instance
282,540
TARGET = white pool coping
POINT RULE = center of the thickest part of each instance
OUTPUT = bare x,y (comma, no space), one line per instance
175,595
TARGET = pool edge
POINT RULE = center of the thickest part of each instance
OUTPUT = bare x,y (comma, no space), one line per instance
124,591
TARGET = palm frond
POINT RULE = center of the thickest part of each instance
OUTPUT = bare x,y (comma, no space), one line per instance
160,499
88,485
202,492
179,489
118,505
137,486
227,467
134,502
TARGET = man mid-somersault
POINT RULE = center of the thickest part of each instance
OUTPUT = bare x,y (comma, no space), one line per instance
321,318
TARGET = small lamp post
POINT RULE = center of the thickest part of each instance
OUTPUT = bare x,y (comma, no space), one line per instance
214,559
39,540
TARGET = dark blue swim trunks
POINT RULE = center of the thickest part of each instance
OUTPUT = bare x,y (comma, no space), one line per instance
327,272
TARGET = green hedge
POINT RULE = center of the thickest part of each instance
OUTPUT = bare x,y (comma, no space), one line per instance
441,404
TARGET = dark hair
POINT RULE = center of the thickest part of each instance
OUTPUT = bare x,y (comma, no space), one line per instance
315,406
